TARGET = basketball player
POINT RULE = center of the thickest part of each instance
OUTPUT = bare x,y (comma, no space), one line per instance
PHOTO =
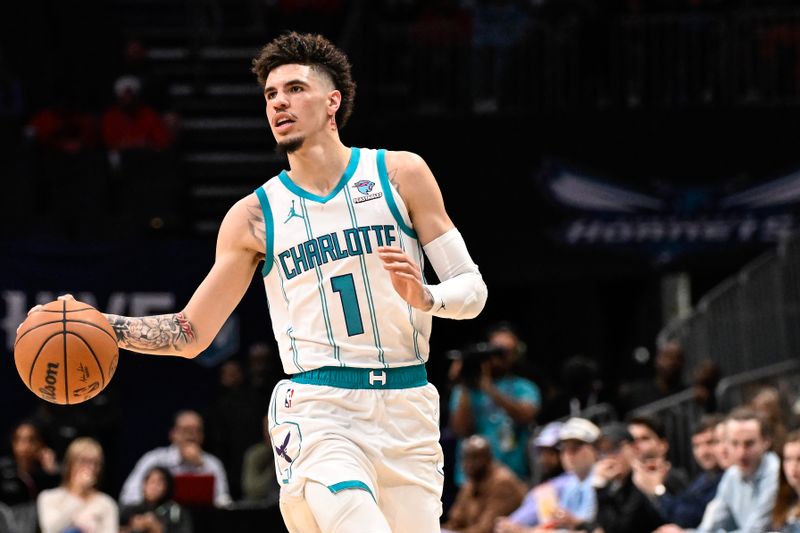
342,234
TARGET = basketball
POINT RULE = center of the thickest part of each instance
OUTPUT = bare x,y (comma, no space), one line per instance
66,353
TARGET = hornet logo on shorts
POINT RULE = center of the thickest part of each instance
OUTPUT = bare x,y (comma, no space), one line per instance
287,441
365,187
281,450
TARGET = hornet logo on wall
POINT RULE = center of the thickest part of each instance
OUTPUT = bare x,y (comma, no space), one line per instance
670,219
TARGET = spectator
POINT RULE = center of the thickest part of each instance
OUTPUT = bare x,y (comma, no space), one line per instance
767,401
157,513
77,506
234,421
491,402
63,127
721,449
705,378
686,508
580,389
546,463
258,471
747,491
666,381
568,501
491,490
786,516
130,124
651,447
31,467
153,87
621,506
185,455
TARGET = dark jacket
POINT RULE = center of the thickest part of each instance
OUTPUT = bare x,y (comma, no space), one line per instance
686,508
175,518
622,508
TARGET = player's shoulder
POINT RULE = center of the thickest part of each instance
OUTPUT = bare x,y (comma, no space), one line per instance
244,223
407,168
405,161
244,211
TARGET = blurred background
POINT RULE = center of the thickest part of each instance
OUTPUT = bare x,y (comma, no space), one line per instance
625,173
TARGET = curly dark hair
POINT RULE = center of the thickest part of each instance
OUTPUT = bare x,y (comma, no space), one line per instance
315,51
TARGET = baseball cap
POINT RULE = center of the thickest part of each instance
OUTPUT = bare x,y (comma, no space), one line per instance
615,433
579,429
548,436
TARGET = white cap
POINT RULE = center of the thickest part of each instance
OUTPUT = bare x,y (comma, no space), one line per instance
579,429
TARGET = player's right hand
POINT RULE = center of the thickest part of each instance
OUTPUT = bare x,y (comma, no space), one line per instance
39,307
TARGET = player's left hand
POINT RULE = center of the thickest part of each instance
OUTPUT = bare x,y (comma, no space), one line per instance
406,277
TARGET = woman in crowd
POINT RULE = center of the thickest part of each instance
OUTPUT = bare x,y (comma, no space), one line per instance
30,468
157,513
77,506
786,516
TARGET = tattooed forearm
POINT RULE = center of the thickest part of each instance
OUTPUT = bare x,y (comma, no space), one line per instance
160,333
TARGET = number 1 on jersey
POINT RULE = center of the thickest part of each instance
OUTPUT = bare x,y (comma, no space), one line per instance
346,288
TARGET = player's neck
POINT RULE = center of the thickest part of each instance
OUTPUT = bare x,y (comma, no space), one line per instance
318,166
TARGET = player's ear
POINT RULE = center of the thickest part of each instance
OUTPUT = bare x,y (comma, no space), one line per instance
334,101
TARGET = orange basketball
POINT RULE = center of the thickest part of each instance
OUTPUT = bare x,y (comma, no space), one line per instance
67,352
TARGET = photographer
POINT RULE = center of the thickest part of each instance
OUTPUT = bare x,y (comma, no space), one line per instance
489,401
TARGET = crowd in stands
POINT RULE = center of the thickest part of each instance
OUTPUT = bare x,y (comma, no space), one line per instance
617,475
510,469
57,477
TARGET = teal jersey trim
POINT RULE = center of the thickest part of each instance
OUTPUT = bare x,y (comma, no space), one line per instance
354,484
367,287
403,377
323,299
355,155
387,189
269,230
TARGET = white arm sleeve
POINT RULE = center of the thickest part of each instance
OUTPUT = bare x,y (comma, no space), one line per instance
461,292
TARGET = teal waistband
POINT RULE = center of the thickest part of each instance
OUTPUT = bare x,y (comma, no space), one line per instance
405,377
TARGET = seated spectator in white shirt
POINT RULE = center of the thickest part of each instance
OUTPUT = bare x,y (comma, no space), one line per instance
747,492
77,506
184,456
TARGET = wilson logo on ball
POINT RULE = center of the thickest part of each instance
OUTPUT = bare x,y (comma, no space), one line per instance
49,390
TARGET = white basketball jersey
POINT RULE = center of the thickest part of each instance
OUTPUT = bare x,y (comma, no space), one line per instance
331,302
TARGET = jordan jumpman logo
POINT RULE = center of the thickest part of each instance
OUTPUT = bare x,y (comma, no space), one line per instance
292,213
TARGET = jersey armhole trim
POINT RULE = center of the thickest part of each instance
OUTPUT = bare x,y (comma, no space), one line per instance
353,484
269,229
387,190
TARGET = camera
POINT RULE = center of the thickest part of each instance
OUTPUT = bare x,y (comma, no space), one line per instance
472,358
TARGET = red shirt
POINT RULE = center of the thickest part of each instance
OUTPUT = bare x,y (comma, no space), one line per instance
135,129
